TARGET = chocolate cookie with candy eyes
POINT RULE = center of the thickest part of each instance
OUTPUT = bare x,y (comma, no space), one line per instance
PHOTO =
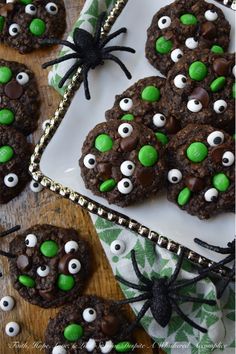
15,155
25,23
123,162
19,97
179,28
142,103
201,177
201,90
49,265
89,325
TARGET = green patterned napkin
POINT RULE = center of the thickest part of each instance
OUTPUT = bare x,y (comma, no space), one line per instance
178,336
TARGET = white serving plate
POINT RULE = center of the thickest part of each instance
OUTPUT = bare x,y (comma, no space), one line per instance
60,159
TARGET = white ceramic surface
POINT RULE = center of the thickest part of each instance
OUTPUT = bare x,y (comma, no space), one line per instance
60,159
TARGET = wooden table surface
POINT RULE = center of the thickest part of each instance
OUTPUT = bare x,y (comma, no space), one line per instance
29,209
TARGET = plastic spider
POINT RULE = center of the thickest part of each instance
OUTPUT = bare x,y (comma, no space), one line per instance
230,250
161,295
6,233
90,52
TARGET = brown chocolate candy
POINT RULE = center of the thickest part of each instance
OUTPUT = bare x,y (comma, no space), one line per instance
145,177
218,152
105,170
64,262
208,30
23,262
195,184
172,125
129,143
13,90
200,94
47,294
110,325
221,66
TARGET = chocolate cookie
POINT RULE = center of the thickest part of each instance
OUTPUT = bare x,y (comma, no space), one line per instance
182,26
51,265
89,325
142,103
122,162
201,90
15,155
24,24
19,102
201,170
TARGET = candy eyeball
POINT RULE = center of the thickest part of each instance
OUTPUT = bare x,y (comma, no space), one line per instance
164,22
191,43
194,106
125,130
215,138
176,55
89,314
211,15
30,9
90,161
74,266
106,347
127,168
228,159
90,345
59,349
125,186
12,329
43,271
35,187
220,106
22,78
180,81
14,30
71,247
126,104
117,247
234,70
31,240
51,8
211,195
174,176
7,303
11,180
159,120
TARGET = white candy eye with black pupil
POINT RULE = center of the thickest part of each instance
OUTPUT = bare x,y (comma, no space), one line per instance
51,8
90,161
176,55
164,22
22,78
228,159
89,314
43,271
11,180
215,138
30,9
35,186
7,303
59,349
127,168
125,186
126,104
31,240
12,329
220,106
117,247
174,176
211,195
125,130
14,29
211,15
74,266
106,347
194,106
71,247
191,43
180,81
159,120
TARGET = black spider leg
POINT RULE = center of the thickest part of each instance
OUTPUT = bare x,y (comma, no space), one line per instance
118,47
7,254
60,60
187,298
119,62
69,73
60,41
10,231
223,283
98,30
111,36
217,249
177,268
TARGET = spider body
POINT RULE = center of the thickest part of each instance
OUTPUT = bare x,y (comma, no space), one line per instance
90,51
162,295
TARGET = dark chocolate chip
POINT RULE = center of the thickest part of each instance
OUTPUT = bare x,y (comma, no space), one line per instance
23,262
105,170
218,152
200,94
129,143
172,125
221,66
13,90
208,30
64,262
110,325
195,184
145,176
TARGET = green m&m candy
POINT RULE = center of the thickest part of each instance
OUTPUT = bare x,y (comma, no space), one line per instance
6,116
163,46
49,248
65,282
103,143
148,155
184,196
197,152
26,2
73,332
198,71
217,49
5,74
123,347
218,84
2,21
127,117
234,90
6,153
221,182
188,19
108,185
162,138
27,281
151,94
37,27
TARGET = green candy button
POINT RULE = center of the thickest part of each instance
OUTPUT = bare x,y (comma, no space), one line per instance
5,74
108,185
73,332
197,152
127,117
26,2
218,84
162,138
198,71
163,46
6,116
65,282
151,94
124,347
2,21
148,155
217,49
221,182
234,90
184,196
37,27
103,143
6,153
49,248
27,281
188,19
